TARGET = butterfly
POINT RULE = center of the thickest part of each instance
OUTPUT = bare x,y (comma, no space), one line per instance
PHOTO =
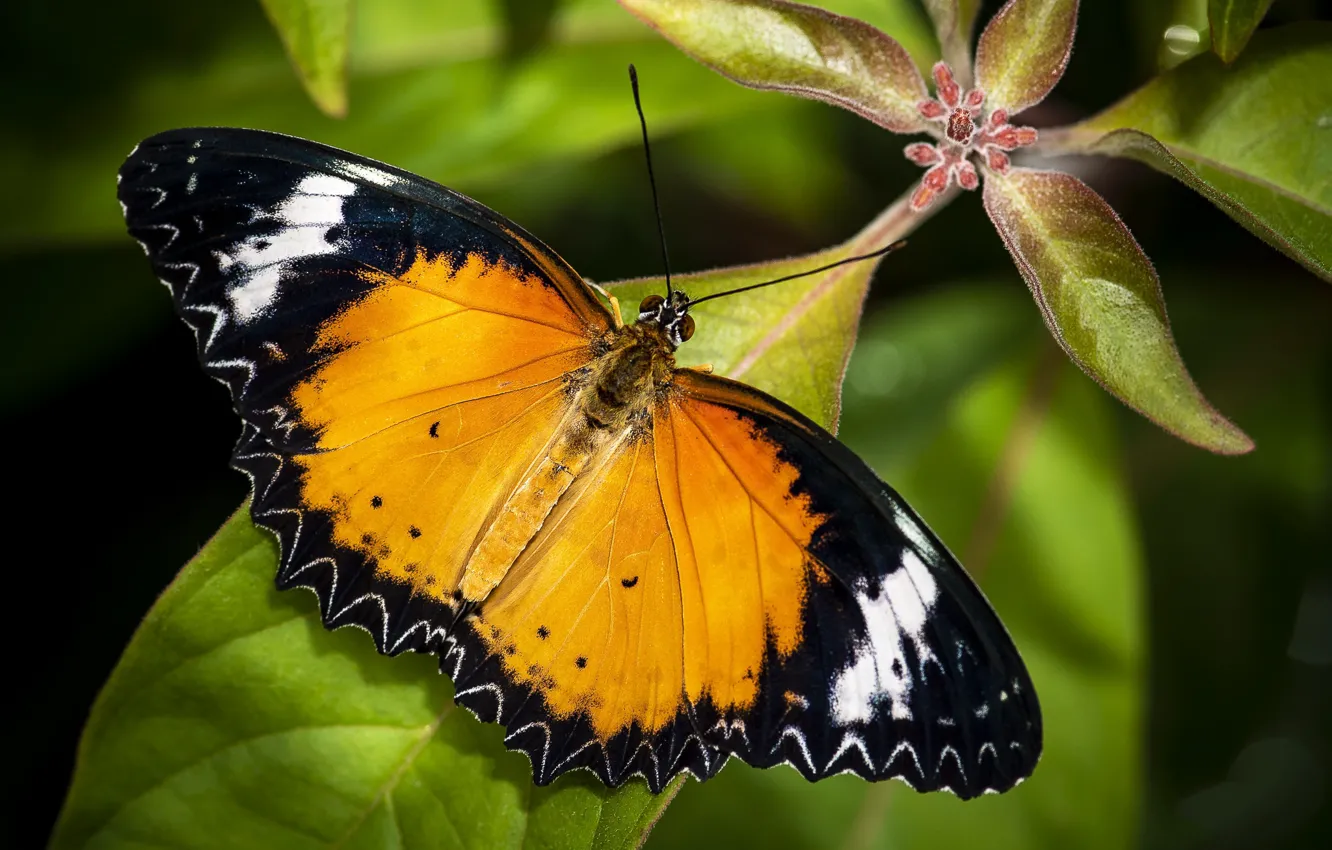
635,568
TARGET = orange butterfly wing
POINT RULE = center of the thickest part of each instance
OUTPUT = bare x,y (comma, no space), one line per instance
741,584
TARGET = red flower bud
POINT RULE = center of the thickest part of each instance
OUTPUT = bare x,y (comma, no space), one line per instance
948,89
923,154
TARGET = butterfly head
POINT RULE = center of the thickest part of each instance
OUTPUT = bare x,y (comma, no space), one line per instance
670,315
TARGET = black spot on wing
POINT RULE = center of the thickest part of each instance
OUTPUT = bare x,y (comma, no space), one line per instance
349,591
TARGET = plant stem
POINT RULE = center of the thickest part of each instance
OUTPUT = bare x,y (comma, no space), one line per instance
896,221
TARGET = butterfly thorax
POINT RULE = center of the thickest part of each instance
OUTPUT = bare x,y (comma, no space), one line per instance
627,379
611,403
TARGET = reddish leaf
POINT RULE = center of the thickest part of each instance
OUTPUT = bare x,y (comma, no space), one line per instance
771,44
1101,299
1023,51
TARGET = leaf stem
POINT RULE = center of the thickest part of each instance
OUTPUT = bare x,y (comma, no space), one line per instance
896,222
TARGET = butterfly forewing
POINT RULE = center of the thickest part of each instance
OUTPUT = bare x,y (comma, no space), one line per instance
721,578
263,239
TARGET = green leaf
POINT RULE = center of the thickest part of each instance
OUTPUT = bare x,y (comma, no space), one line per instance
1024,465
234,719
1233,22
1101,300
1255,138
953,22
432,99
797,49
315,34
1023,52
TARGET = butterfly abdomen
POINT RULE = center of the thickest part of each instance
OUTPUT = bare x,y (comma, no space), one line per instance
521,518
607,412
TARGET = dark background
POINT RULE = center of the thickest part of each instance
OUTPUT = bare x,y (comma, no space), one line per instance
117,446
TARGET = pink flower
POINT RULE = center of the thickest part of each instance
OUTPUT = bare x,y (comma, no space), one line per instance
964,134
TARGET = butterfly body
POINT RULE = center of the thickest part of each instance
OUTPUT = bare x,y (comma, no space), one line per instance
636,569
612,400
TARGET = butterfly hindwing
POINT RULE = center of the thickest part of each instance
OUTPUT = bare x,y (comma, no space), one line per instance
904,669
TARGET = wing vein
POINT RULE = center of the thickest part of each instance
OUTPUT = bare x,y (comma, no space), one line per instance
750,493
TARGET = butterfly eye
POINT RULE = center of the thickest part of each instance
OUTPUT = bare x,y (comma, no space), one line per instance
651,303
686,328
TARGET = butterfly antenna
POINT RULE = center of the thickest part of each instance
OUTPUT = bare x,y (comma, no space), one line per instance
652,180
901,243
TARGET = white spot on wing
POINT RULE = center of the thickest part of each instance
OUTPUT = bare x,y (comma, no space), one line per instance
911,530
305,217
370,174
900,610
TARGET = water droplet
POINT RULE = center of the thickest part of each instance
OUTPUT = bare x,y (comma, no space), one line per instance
1182,39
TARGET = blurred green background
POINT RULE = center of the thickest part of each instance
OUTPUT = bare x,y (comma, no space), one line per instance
1175,607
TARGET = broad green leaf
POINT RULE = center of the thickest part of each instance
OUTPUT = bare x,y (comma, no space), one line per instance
234,719
432,101
797,49
792,339
1064,572
1233,23
1255,138
953,22
1101,299
1024,50
315,34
